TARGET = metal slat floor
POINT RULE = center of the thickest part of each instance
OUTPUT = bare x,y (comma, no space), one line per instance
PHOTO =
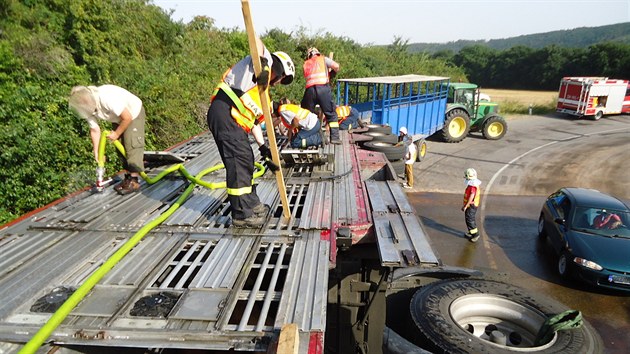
194,281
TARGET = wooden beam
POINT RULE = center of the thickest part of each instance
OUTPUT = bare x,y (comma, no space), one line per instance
264,100
289,340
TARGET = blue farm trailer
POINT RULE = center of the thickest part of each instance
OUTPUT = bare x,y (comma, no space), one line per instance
425,105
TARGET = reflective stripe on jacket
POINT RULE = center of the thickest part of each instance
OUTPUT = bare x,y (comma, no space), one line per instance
343,112
247,109
315,71
299,112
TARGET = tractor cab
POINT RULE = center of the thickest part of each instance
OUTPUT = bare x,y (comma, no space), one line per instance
466,104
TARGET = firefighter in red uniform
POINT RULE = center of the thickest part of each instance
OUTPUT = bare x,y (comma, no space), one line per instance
316,73
235,111
472,197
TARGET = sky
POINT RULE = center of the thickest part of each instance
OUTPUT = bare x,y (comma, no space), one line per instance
430,21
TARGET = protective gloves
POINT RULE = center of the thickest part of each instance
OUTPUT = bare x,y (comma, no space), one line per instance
265,75
265,152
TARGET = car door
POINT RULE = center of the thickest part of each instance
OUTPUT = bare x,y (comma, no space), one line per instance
559,208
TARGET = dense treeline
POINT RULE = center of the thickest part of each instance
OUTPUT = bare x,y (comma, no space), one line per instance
574,38
48,46
523,67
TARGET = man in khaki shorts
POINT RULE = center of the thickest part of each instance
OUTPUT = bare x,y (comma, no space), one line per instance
126,113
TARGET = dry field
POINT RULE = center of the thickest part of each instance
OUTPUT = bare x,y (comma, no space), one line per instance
523,97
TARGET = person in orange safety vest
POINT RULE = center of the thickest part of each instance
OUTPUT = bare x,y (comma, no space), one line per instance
348,117
317,74
472,198
303,127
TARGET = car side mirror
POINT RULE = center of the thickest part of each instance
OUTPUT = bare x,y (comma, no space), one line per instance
559,221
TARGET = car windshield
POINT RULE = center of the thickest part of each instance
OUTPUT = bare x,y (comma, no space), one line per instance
605,222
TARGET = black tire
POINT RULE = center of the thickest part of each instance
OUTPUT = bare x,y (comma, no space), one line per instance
494,128
459,315
379,128
564,265
421,149
392,152
542,232
385,137
456,126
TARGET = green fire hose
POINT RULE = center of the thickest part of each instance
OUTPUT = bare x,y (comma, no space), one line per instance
73,300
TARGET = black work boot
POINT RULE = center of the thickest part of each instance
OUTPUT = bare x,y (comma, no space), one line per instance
334,136
253,221
261,209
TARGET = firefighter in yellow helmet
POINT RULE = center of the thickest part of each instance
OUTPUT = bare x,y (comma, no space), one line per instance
235,111
472,198
317,70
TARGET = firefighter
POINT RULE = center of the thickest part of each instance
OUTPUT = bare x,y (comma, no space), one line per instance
472,197
126,113
348,117
303,126
235,111
410,156
316,73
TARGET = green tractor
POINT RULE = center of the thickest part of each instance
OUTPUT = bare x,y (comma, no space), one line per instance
467,110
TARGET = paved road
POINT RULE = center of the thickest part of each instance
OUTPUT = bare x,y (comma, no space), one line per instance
537,156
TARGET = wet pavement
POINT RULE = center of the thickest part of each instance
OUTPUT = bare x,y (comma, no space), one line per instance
538,156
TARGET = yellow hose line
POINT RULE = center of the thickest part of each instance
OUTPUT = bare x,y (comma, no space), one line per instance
78,295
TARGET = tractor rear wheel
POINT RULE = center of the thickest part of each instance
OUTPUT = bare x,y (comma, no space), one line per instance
494,128
456,126
421,149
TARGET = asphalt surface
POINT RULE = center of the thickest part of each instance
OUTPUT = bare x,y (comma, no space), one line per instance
537,156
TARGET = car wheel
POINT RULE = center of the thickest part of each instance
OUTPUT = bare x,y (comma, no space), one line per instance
564,264
542,233
486,316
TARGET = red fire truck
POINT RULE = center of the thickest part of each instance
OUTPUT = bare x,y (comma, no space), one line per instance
593,96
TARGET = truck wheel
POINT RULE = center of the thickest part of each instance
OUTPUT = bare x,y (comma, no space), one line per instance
380,128
456,126
385,137
598,115
486,316
494,128
393,152
421,148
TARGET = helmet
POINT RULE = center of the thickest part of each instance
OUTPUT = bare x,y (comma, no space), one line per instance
287,67
311,51
403,130
470,173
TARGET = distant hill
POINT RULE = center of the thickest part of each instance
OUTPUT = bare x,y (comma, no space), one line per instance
581,37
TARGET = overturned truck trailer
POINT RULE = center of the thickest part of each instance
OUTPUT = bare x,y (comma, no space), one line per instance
352,270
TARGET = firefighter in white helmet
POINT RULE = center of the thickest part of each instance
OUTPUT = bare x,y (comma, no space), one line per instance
472,198
235,111
317,69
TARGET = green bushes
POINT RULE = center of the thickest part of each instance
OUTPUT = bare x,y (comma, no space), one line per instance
47,47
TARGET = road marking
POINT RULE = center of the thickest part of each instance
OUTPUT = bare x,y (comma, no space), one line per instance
482,216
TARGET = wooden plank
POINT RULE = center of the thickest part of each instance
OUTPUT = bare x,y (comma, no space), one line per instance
264,100
289,340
